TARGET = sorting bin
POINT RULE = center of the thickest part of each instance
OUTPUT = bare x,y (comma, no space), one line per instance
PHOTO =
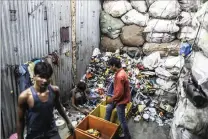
100,112
114,117
80,135
107,129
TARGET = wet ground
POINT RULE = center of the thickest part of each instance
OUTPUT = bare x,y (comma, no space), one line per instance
147,130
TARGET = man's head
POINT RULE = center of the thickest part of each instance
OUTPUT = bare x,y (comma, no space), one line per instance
42,74
114,64
82,86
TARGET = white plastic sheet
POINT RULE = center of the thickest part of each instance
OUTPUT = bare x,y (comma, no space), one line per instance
200,68
171,62
152,61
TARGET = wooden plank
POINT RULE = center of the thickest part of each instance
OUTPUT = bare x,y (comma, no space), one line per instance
73,31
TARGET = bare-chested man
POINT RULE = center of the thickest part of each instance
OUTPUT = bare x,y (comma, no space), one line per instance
37,104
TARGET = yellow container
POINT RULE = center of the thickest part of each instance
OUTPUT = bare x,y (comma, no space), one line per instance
114,117
100,112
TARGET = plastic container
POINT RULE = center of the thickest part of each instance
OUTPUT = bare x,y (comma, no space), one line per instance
107,129
100,112
128,107
80,135
185,49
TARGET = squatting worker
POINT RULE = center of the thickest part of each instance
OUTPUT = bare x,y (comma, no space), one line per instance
37,104
79,96
121,95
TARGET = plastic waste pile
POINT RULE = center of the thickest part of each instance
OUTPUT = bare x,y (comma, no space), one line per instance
152,82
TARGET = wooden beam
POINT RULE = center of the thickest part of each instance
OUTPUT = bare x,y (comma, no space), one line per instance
73,32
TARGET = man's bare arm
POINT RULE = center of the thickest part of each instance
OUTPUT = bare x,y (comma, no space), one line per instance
60,108
22,104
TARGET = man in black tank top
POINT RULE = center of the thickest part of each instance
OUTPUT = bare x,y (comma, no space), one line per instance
38,102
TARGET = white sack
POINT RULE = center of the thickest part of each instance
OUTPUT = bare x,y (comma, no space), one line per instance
150,2
189,117
201,17
163,73
172,61
164,9
162,26
189,5
200,68
151,61
134,17
140,5
202,41
160,37
187,33
164,84
185,19
116,8
181,133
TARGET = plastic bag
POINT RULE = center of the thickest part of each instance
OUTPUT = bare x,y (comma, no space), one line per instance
187,33
202,41
116,8
159,25
185,18
187,116
165,9
171,62
134,17
201,17
199,68
151,61
140,5
159,37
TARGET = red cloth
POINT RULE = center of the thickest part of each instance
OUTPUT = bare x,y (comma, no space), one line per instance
121,88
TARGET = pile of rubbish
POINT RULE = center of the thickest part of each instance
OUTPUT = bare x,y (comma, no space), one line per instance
152,81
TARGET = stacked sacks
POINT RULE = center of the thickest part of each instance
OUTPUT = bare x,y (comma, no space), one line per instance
187,31
189,5
201,20
122,26
161,29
